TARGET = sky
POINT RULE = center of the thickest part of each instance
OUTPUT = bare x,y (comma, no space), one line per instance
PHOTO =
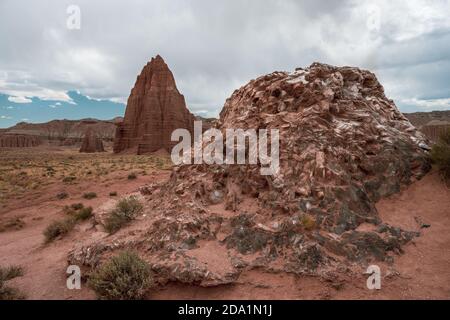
49,70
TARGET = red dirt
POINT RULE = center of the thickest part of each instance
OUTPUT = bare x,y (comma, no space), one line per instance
421,272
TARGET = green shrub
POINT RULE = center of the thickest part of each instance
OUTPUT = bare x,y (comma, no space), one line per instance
90,195
83,214
113,194
125,211
62,195
440,155
124,277
77,206
12,224
308,222
58,228
10,273
132,176
69,179
8,293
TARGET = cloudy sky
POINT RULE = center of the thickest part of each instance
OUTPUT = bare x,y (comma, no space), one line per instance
213,47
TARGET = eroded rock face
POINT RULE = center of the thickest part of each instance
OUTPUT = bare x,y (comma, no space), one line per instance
18,141
343,146
91,143
155,109
434,130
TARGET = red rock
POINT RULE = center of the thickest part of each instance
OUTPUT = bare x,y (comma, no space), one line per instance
19,141
91,143
155,109
343,146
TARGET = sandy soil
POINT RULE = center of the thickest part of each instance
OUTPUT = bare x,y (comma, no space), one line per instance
421,272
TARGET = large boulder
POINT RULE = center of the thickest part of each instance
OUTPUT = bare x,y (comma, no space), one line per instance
343,146
154,110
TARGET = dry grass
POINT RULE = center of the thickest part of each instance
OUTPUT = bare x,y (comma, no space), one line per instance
8,293
76,213
22,171
126,210
11,224
440,155
124,277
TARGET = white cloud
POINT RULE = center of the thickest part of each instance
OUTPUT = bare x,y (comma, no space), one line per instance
213,48
5,117
19,99
429,104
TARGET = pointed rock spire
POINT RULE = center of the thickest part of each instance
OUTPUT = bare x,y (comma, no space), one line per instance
154,110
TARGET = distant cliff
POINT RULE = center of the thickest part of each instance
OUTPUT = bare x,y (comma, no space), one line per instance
432,124
65,132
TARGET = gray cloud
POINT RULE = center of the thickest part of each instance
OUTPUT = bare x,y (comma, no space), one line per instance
214,47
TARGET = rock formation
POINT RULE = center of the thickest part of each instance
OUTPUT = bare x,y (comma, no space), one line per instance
91,143
343,146
432,124
154,110
65,132
434,129
18,141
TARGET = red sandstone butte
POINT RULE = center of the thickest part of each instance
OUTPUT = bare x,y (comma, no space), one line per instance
154,110
91,143
18,141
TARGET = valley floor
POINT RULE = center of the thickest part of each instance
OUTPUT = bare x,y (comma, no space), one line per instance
421,272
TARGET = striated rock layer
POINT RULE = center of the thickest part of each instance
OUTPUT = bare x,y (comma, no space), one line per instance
155,109
92,143
18,141
343,146
435,129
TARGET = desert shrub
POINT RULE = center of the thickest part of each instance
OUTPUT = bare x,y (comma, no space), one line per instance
308,222
10,272
123,277
12,224
90,195
69,179
58,228
77,206
132,176
83,214
8,293
125,211
440,155
113,194
62,195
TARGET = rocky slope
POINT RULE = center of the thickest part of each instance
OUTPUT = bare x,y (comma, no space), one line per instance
343,146
155,109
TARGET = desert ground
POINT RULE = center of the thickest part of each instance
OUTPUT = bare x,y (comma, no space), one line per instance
36,184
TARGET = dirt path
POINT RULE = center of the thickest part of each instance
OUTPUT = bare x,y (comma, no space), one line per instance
421,272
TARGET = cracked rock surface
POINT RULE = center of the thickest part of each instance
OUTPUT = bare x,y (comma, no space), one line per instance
343,146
